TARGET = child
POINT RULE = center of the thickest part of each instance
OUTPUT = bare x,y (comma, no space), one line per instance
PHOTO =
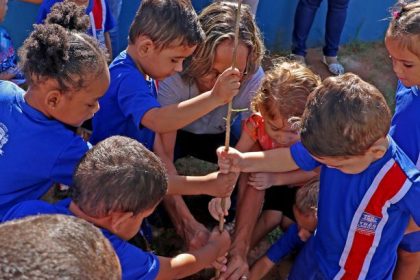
305,210
117,184
53,247
67,74
282,96
368,186
401,41
9,70
162,34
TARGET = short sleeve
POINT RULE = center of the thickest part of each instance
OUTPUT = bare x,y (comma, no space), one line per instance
250,89
411,201
288,241
65,165
303,158
136,97
411,242
137,264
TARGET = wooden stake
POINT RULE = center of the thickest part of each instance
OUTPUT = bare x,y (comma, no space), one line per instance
229,112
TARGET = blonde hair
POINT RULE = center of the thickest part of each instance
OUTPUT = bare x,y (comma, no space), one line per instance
405,25
285,89
218,23
307,196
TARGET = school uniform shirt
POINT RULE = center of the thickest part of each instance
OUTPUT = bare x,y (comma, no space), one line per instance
35,151
135,263
362,217
174,90
405,130
102,20
46,5
129,97
287,242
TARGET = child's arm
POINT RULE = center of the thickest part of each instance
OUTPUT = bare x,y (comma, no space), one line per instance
277,160
175,116
189,263
264,180
214,184
108,45
261,268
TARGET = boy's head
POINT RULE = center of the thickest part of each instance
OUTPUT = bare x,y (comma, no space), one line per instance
53,246
402,41
121,179
306,207
282,95
214,55
162,34
345,123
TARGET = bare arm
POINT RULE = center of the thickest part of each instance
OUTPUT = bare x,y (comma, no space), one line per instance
108,45
261,268
189,263
277,160
175,116
262,181
32,1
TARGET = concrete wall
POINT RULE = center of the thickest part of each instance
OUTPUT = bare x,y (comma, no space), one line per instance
366,21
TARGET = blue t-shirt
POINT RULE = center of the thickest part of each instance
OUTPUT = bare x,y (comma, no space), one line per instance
405,130
35,152
46,5
135,263
362,217
288,242
123,106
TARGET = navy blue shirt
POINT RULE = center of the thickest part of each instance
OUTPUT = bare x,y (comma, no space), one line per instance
123,106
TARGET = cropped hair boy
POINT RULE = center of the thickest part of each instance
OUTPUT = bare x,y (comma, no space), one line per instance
116,185
368,186
53,246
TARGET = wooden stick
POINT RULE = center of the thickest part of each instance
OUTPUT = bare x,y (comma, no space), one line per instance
229,112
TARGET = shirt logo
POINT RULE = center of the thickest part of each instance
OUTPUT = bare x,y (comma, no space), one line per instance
368,223
3,137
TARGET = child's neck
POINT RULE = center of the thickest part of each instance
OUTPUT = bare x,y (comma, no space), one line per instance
34,100
99,222
132,52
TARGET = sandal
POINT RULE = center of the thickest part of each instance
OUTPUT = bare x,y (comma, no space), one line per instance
334,66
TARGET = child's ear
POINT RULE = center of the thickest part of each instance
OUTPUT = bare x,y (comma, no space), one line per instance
379,148
144,45
53,98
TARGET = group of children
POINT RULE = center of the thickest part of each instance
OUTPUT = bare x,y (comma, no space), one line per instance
300,126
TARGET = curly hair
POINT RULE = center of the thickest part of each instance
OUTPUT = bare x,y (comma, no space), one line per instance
218,22
166,22
344,116
70,58
69,15
119,174
284,90
405,25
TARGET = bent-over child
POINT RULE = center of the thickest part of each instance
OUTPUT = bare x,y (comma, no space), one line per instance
368,186
118,183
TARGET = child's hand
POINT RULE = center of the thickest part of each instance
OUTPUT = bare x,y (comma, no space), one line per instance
215,207
262,181
229,161
223,184
227,85
220,240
